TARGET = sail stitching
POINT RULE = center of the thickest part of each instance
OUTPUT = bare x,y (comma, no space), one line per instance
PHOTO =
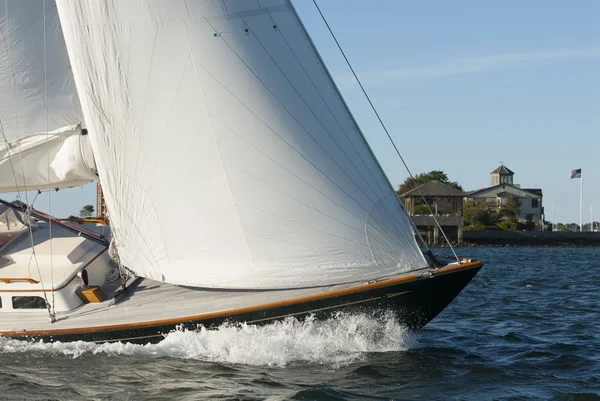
317,118
385,129
300,179
139,146
338,123
317,210
6,40
327,105
287,143
199,77
294,118
170,112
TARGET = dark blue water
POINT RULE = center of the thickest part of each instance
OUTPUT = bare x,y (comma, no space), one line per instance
526,328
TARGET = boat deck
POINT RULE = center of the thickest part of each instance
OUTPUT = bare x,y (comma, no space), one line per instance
151,301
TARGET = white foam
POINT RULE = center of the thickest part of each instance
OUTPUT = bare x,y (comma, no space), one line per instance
338,340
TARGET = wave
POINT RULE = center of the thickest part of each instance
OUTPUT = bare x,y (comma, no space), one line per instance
341,339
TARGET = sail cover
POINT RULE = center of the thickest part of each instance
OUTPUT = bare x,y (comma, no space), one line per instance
39,105
227,156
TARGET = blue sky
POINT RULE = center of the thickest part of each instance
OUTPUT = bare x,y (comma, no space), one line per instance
464,85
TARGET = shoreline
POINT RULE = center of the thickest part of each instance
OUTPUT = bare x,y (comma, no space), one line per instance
530,239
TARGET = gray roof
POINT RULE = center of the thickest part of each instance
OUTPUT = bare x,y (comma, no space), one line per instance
533,191
503,170
434,188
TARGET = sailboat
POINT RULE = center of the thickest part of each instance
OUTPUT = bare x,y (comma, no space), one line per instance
239,186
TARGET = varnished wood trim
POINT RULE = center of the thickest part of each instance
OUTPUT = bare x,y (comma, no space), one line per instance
11,279
62,286
230,312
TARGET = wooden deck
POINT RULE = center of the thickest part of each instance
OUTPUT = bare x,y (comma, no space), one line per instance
152,301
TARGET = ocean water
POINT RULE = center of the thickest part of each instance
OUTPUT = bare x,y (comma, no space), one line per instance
526,328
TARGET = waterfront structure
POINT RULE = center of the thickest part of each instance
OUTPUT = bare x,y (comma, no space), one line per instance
446,203
503,187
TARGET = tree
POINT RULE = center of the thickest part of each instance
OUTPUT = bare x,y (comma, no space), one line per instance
511,208
479,213
420,179
86,211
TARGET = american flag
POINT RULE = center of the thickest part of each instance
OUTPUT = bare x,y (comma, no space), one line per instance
576,173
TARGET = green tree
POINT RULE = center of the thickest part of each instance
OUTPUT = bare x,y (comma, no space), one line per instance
479,213
420,179
511,208
509,225
86,211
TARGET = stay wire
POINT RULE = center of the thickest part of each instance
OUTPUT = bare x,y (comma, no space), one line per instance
384,127
53,312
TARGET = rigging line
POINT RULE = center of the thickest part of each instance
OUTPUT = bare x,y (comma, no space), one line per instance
294,118
398,225
6,39
27,219
364,140
321,123
379,183
53,312
383,188
383,125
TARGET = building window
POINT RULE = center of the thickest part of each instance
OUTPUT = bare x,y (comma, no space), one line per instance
510,181
29,303
495,180
535,203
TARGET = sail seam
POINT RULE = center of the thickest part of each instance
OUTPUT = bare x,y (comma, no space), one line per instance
209,117
139,145
170,112
318,119
327,106
383,189
289,196
357,126
287,143
387,133
6,41
297,122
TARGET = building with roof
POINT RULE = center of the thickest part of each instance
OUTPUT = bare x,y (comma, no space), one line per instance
502,175
446,205
503,187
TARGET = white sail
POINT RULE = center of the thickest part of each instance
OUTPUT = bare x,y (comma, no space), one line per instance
57,159
227,157
39,105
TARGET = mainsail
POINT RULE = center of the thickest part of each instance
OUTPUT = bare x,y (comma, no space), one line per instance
227,156
41,141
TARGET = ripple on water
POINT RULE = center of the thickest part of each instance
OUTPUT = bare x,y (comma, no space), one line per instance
500,339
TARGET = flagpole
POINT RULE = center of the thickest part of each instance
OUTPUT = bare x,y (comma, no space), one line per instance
581,201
